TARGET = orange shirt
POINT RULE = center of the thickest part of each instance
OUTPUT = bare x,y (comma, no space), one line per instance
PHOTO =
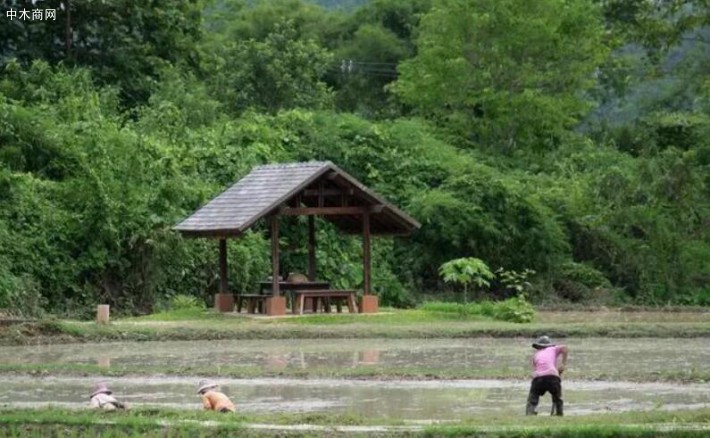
217,401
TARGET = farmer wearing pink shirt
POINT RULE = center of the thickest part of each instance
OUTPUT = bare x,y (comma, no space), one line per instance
546,375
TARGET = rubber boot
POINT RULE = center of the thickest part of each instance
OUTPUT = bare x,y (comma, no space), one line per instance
558,408
530,409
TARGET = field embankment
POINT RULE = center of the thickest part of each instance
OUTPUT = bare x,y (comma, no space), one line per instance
395,324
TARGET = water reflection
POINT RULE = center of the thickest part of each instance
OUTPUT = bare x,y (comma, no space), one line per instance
103,361
277,361
369,357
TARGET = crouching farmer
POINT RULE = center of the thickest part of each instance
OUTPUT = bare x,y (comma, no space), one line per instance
212,398
546,375
101,398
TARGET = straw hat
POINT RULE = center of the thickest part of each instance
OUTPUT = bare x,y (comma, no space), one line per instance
100,388
206,384
543,342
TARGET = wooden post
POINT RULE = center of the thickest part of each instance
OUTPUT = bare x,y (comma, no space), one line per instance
369,303
102,314
223,284
275,304
223,300
366,253
311,248
275,256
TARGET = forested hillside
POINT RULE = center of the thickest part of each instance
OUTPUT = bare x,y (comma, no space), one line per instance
569,137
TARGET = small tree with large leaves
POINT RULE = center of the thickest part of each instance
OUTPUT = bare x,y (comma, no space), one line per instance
466,271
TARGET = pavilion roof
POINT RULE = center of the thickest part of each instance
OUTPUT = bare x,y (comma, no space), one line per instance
268,189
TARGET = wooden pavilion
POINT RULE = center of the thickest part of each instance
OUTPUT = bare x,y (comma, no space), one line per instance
295,189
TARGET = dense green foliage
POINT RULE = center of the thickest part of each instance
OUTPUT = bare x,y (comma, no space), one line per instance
514,309
569,138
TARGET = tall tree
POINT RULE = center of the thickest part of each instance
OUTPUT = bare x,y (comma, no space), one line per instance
505,73
123,41
379,37
243,20
279,73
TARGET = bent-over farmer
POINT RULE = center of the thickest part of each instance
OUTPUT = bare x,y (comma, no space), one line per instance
212,398
101,398
546,374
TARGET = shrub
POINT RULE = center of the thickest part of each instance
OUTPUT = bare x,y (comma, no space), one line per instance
186,302
577,281
516,281
438,306
516,309
584,274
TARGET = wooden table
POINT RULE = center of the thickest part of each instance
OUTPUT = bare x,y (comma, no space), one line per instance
265,286
290,286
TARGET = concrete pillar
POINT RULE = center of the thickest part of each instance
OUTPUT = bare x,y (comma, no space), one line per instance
224,302
102,314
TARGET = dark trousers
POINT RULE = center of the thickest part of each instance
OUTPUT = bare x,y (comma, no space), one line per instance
541,385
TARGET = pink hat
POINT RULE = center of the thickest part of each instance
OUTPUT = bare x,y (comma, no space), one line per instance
100,388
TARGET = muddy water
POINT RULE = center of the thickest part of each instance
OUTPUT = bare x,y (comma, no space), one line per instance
614,358
408,400
421,400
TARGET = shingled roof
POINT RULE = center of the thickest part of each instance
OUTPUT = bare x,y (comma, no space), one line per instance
268,188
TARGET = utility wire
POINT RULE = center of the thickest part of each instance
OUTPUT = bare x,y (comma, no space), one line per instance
349,66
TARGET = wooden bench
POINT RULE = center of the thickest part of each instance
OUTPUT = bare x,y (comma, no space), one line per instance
255,302
323,297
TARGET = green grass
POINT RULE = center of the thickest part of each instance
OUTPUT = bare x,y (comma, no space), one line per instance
191,314
166,422
201,431
145,422
385,317
433,312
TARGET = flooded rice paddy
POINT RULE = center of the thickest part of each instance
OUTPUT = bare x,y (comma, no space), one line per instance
435,400
408,400
615,358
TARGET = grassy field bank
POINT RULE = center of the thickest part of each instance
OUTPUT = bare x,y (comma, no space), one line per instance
205,325
162,423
